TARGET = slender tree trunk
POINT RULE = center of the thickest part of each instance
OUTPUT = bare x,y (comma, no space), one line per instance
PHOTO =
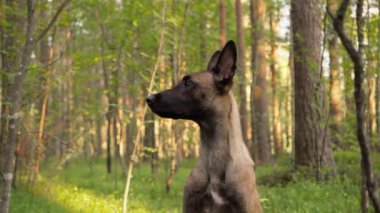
276,128
241,71
253,144
9,62
149,142
356,56
372,70
107,86
67,95
172,169
131,128
336,100
377,98
371,99
312,147
336,103
46,54
364,201
290,105
109,158
13,99
260,104
99,138
222,23
99,120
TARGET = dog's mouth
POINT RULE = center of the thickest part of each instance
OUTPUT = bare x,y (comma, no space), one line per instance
165,111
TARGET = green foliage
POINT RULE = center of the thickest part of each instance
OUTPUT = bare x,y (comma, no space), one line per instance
308,196
83,186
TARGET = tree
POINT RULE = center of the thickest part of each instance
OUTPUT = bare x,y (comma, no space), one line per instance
16,71
241,70
312,147
46,54
276,128
259,93
356,56
336,102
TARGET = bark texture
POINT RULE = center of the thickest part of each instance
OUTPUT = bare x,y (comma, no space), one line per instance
276,127
312,147
13,98
259,93
241,71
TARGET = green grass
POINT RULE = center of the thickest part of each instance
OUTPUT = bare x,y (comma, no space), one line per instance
84,186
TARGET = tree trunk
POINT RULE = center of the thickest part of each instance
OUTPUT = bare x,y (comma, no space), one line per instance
261,118
169,179
276,128
336,101
364,201
371,103
312,147
356,56
150,142
378,77
377,98
253,145
46,54
106,86
13,99
241,71
68,102
222,23
290,100
99,138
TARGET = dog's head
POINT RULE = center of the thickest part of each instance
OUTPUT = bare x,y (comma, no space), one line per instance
200,94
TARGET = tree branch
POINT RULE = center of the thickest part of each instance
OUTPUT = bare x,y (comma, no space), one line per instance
52,21
357,58
338,23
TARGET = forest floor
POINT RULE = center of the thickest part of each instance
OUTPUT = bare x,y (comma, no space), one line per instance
84,186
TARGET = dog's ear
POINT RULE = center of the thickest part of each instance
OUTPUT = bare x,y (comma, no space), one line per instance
214,59
225,67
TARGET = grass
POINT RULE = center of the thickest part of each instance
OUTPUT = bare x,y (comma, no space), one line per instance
84,186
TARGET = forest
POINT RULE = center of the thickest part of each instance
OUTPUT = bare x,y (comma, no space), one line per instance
76,134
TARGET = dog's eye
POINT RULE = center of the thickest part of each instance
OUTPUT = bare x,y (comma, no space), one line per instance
187,83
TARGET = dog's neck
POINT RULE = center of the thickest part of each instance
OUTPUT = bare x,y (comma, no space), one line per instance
222,139
223,125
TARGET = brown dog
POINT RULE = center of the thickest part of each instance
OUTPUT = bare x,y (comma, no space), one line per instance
223,179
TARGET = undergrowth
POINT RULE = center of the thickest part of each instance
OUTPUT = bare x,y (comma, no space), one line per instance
84,186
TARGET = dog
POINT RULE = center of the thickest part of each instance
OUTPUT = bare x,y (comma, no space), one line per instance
223,179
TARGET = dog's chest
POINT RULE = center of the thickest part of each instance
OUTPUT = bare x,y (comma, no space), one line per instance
216,159
216,191
216,167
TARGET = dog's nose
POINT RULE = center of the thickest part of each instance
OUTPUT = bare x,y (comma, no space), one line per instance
150,99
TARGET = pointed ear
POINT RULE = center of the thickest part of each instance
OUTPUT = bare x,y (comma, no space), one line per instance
214,59
225,67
